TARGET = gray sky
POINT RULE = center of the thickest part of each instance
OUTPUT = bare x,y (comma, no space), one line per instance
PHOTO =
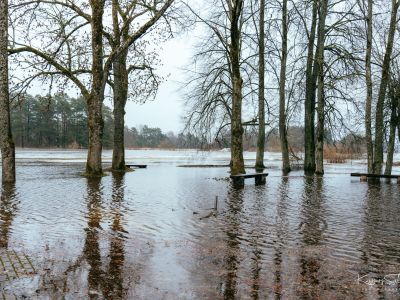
166,110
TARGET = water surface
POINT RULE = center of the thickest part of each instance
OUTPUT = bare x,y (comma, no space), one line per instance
153,233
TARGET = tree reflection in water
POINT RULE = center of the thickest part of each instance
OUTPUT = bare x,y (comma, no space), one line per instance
234,208
312,226
110,280
114,278
281,232
92,248
8,210
381,225
257,252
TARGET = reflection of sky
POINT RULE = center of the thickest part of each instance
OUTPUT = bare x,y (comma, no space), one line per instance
178,157
170,250
166,110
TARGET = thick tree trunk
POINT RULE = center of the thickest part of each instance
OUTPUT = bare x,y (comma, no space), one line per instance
7,212
120,92
368,80
392,133
261,90
96,97
282,94
237,161
309,131
120,98
319,149
95,126
379,127
6,142
319,72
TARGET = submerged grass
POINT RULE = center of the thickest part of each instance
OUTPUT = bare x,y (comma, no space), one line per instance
339,155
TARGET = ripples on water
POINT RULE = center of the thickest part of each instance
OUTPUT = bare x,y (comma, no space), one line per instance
136,236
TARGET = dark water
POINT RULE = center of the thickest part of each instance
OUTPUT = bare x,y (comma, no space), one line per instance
136,236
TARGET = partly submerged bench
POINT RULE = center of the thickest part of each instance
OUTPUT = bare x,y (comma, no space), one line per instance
364,176
238,180
136,166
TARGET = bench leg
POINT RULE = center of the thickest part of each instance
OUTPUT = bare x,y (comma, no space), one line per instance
398,179
260,180
238,182
363,178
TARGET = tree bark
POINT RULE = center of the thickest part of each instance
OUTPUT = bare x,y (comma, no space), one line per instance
368,80
319,73
392,132
261,90
282,94
120,98
6,142
120,94
237,161
309,131
96,97
379,127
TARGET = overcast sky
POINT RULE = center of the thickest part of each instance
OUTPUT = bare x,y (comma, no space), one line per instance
166,110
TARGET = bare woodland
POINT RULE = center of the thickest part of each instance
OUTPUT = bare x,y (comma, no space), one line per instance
331,67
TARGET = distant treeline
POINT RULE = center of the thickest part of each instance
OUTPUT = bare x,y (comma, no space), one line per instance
61,122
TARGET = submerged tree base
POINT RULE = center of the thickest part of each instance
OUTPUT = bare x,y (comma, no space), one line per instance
125,170
90,175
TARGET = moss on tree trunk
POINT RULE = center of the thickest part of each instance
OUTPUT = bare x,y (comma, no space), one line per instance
6,142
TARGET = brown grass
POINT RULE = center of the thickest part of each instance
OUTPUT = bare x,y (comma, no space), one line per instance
339,155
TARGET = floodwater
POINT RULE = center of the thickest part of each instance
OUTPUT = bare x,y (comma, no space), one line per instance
154,233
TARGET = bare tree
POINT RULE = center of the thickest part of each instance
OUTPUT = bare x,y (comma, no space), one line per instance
6,141
282,91
140,65
217,91
309,116
89,76
237,162
261,89
379,126
393,123
319,73
368,81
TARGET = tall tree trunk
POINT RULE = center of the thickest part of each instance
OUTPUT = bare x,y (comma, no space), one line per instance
379,127
261,90
309,132
319,149
282,94
120,94
319,73
237,161
96,97
368,80
120,98
6,142
392,133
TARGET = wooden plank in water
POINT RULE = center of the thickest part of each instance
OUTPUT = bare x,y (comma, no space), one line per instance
374,175
238,180
252,175
203,166
137,166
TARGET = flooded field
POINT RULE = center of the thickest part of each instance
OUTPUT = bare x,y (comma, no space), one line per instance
154,233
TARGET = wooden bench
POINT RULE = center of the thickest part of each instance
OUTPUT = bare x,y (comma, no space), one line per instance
238,180
137,166
365,176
